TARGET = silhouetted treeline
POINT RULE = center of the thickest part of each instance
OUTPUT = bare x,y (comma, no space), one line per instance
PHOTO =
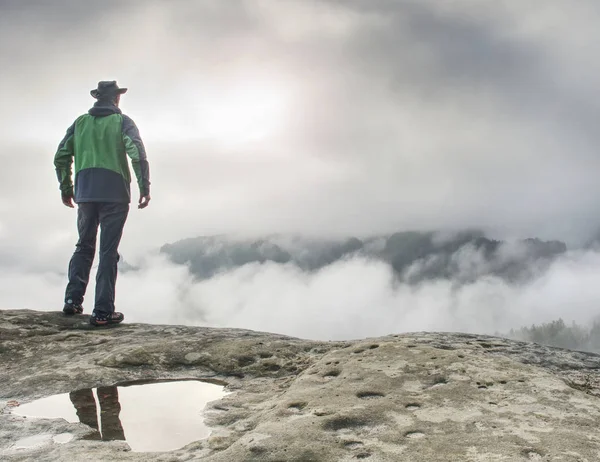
559,334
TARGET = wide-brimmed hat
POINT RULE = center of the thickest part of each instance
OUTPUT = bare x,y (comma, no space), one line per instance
107,88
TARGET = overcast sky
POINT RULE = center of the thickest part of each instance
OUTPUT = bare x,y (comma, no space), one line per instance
314,116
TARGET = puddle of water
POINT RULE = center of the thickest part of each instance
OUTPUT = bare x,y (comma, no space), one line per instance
63,438
32,441
156,416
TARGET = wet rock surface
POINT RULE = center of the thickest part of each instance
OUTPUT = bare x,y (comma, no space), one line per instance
408,397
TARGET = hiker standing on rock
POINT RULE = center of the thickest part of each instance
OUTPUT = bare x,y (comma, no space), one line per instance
100,142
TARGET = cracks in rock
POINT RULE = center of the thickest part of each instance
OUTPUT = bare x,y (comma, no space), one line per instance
332,373
369,394
587,383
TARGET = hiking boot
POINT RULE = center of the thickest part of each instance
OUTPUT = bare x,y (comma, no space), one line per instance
104,319
72,308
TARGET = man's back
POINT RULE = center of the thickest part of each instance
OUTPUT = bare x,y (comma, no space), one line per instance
99,143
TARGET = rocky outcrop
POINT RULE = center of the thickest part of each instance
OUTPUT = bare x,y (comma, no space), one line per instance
408,397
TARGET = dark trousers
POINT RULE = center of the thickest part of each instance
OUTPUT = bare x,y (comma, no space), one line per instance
111,217
110,427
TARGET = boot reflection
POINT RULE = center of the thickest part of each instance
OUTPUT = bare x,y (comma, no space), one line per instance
110,427
85,406
108,397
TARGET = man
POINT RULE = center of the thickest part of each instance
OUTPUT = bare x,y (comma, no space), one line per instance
100,142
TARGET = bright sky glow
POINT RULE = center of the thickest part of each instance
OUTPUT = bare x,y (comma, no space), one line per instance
244,112
229,114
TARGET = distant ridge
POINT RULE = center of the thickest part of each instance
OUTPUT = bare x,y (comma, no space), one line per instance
414,256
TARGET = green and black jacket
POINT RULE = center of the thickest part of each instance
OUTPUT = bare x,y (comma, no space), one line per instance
100,142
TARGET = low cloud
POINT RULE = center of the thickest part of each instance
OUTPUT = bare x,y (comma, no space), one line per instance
348,299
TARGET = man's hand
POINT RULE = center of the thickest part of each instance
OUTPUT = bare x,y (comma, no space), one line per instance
68,201
144,201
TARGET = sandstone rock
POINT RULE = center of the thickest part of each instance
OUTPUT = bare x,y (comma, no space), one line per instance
409,397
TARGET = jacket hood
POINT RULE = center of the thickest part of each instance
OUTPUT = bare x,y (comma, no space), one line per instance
103,109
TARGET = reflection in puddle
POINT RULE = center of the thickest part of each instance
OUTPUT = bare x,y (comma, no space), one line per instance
159,416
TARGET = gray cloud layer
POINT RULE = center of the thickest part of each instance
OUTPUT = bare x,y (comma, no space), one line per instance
393,114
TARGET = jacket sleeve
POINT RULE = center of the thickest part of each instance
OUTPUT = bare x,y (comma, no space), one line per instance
137,152
63,160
